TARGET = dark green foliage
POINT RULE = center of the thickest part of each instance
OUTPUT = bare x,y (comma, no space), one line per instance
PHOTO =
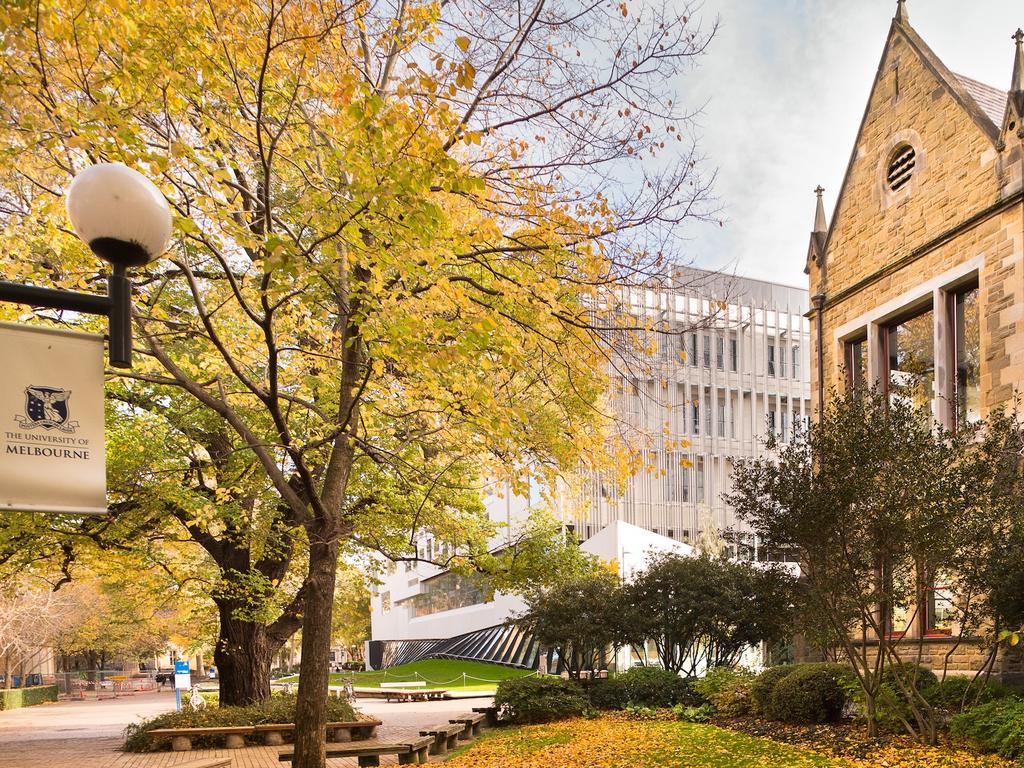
994,727
16,698
580,617
872,496
811,693
908,674
279,708
645,687
956,694
702,612
764,684
539,699
701,714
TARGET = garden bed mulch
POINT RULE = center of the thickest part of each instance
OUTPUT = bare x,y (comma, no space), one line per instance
850,741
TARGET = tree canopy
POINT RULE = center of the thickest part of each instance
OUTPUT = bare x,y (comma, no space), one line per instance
399,229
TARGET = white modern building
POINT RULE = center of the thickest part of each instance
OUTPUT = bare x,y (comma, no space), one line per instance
729,362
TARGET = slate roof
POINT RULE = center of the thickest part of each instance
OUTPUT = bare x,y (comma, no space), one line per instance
992,100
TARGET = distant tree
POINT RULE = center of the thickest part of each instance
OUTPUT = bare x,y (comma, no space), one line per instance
579,617
351,615
874,502
703,612
32,616
537,554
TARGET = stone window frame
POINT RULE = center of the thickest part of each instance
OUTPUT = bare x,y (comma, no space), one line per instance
874,324
887,196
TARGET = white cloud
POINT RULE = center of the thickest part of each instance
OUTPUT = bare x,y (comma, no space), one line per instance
786,82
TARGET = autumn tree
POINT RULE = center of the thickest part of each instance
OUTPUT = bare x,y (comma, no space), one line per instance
400,229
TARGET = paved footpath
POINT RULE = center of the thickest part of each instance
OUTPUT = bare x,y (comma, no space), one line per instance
87,734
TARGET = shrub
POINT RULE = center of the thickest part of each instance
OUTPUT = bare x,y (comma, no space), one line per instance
811,693
608,694
16,698
764,684
994,727
907,672
699,714
733,699
645,687
717,678
956,694
539,699
279,708
891,707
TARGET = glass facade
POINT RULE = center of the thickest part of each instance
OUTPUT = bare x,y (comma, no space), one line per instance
445,593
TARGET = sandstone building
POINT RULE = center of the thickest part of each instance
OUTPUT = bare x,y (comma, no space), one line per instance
919,276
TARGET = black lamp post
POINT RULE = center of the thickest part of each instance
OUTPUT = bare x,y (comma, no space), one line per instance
125,220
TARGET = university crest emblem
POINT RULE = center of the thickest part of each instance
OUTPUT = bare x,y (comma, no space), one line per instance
46,407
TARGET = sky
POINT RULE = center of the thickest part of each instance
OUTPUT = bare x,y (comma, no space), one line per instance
784,86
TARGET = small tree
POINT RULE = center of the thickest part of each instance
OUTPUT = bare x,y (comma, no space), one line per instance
988,565
703,612
874,501
579,617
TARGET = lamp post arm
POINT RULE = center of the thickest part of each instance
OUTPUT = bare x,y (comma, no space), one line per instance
54,298
116,306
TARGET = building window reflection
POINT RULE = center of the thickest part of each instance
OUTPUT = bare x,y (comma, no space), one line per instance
445,593
910,353
857,363
967,333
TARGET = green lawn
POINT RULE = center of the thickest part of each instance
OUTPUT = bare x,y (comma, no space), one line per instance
610,742
437,673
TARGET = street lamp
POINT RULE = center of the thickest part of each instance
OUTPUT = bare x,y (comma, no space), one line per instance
125,220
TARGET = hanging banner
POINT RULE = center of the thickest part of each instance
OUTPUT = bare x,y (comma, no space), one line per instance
51,421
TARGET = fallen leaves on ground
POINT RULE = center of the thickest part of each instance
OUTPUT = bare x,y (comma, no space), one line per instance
851,741
615,741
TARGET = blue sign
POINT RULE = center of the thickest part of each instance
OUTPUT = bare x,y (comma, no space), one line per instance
182,675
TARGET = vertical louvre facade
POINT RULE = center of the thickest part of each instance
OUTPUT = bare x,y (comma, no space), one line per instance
730,360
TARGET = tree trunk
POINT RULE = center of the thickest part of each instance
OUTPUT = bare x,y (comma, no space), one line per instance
242,656
310,712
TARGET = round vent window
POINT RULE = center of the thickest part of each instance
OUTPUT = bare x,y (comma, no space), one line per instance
901,167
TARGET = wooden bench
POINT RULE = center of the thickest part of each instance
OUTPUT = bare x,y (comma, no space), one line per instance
410,752
490,715
470,725
420,694
356,730
273,733
445,737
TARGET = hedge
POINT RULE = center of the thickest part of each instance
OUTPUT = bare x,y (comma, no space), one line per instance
764,685
643,687
811,693
539,699
16,698
994,727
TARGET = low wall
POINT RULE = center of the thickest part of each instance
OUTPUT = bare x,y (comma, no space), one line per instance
16,698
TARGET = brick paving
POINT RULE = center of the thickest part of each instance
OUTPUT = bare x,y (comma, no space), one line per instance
89,734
